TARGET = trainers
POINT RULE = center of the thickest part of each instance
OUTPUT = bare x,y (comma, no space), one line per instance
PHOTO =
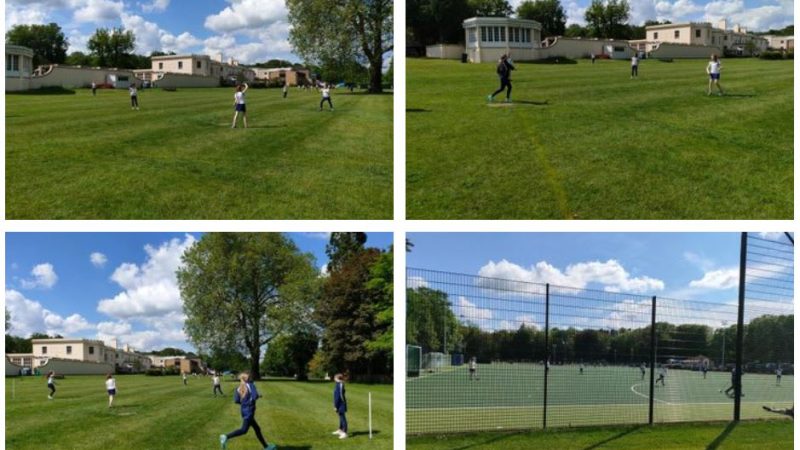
49,397
489,98
343,436
270,447
223,441
337,432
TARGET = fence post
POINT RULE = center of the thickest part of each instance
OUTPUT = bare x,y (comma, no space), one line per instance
652,358
546,349
737,382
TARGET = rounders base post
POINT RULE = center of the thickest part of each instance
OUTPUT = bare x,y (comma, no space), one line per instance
370,415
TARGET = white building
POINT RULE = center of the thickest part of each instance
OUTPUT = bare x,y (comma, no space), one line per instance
488,38
124,359
780,42
702,34
19,67
194,65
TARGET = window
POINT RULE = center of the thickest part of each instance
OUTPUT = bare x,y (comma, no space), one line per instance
527,35
483,34
698,33
180,64
12,63
726,38
44,349
619,49
160,65
677,34
502,34
655,35
199,64
69,349
471,34
91,350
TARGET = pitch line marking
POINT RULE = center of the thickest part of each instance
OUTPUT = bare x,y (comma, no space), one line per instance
645,396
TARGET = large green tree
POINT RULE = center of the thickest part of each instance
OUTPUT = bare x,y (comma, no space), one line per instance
289,355
328,31
241,290
607,19
549,13
431,322
113,47
48,42
491,8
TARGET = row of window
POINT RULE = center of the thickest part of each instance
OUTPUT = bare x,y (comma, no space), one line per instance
697,34
180,65
498,34
12,63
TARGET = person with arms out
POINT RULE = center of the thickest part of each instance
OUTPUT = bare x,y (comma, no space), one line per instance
239,104
504,68
51,384
326,96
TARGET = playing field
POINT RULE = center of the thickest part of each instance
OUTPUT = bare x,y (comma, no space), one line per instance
83,157
587,142
510,396
768,435
161,413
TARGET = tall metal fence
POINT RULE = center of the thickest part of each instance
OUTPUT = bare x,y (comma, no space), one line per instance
496,354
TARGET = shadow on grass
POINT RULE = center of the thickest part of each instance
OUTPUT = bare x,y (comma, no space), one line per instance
491,441
532,102
362,433
44,91
619,435
294,447
417,110
716,443
739,95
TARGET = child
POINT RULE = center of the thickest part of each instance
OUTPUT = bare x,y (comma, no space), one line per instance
239,105
593,57
216,385
704,368
285,89
642,369
51,384
111,388
473,368
778,373
94,89
713,70
326,96
504,68
340,405
581,369
634,66
183,375
662,375
134,96
246,396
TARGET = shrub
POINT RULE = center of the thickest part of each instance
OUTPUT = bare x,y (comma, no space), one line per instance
772,55
154,372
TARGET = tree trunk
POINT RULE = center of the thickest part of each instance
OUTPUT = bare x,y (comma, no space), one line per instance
375,75
255,358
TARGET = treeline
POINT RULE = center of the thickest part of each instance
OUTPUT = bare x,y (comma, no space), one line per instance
433,326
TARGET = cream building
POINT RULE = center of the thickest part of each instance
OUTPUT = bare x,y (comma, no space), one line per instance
780,42
282,75
195,65
701,34
19,67
488,38
86,350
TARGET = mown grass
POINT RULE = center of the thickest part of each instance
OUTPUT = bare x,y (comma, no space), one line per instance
83,157
161,413
587,142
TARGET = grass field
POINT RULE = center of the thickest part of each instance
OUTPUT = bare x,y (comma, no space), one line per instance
587,142
83,157
766,435
160,413
510,396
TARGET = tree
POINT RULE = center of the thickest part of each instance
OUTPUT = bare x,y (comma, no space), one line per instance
223,358
48,42
343,246
491,8
8,321
112,48
607,20
289,355
549,13
381,288
431,323
324,31
241,290
575,30
169,351
79,59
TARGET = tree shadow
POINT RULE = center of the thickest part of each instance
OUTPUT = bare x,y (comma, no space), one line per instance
722,436
362,433
619,435
417,110
44,91
294,447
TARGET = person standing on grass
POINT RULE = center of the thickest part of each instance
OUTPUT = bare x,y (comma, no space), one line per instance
340,405
634,66
713,70
285,89
111,388
704,368
593,57
642,369
217,386
731,390
580,369
473,368
504,68
246,396
778,373
94,89
662,375
134,96
239,104
326,96
51,384
185,380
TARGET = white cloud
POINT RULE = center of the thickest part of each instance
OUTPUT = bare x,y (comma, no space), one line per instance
242,15
575,13
322,236
149,36
699,261
718,279
29,316
113,328
98,11
150,290
469,312
98,259
29,14
611,274
323,271
677,10
44,276
155,6
416,282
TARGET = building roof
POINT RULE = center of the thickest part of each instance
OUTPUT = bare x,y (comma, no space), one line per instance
59,340
679,25
18,50
192,55
475,21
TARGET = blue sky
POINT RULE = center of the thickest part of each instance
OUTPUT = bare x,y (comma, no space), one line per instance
685,266
248,30
102,285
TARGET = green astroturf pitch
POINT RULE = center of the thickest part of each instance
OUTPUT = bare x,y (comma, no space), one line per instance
84,157
586,141
160,413
510,396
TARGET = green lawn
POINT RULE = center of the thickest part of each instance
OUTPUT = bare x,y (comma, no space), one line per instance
587,142
83,157
767,435
510,396
160,413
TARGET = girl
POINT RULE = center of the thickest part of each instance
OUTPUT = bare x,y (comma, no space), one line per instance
134,96
216,385
326,96
504,68
634,66
285,89
183,374
238,104
111,388
246,395
713,69
340,405
51,384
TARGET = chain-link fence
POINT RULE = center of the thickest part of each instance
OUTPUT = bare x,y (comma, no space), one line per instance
504,354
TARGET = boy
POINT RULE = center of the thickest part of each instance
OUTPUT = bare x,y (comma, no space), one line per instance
285,89
662,375
642,369
634,66
473,368
94,89
340,405
778,373
217,386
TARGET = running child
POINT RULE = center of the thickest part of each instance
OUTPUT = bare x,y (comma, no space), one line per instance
217,386
134,96
713,70
504,68
239,104
51,384
326,96
246,396
340,405
634,66
732,389
662,375
111,388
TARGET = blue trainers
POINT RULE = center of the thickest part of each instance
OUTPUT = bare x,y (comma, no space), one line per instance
270,447
489,98
223,441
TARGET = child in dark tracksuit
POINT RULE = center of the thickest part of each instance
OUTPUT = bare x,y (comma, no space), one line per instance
246,395
504,68
340,405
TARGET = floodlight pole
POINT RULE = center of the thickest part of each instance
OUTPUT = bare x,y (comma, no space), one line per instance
737,379
546,350
652,358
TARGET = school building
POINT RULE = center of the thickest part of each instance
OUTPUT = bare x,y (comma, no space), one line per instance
717,38
785,43
80,356
207,70
182,363
283,75
19,67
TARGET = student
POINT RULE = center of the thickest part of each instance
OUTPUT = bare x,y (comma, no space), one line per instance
51,384
662,375
94,89
642,369
504,68
634,66
134,96
593,57
326,96
285,89
111,388
713,70
246,396
239,104
778,373
183,375
340,405
217,386
732,389
704,368
473,368
580,369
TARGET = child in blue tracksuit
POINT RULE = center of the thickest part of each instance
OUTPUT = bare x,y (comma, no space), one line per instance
340,405
246,395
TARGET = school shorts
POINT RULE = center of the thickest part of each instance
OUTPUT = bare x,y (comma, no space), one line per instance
241,107
715,76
